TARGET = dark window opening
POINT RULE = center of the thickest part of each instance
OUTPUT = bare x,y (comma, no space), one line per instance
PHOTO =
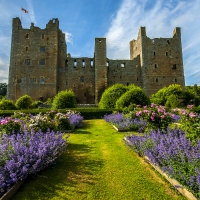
120,77
100,40
60,69
42,36
27,36
27,61
168,42
166,53
174,67
94,96
26,48
156,80
66,83
154,53
42,62
82,79
42,49
175,80
42,80
127,83
156,66
137,79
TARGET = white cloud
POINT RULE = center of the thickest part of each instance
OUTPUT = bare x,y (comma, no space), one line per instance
68,37
31,11
160,20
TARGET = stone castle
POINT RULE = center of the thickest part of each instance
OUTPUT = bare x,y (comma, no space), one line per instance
41,67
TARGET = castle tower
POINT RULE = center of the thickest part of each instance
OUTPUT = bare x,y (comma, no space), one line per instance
161,60
100,68
34,60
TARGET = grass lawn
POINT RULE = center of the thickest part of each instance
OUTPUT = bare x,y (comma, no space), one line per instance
97,165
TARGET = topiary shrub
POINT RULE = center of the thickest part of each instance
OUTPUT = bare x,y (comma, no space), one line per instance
111,95
24,102
7,105
64,99
133,96
36,104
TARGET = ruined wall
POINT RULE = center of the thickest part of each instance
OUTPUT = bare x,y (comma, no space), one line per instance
78,74
124,71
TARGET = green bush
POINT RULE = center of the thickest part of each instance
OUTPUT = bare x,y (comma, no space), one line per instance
64,99
36,104
24,102
172,102
7,105
133,96
111,95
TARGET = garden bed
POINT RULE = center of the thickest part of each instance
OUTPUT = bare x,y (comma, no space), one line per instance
174,182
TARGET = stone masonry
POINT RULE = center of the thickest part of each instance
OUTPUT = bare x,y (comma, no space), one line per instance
41,67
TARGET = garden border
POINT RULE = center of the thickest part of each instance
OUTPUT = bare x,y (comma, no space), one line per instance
173,182
13,190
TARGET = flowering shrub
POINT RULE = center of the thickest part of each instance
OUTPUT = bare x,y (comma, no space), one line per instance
9,125
123,123
156,116
189,122
27,153
76,120
173,153
62,122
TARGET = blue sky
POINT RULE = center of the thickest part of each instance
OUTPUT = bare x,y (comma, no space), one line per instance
117,20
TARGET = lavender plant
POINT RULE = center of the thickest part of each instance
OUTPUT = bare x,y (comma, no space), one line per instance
173,153
27,153
76,120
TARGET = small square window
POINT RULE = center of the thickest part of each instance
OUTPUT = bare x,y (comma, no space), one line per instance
27,62
174,67
22,80
42,62
42,49
42,80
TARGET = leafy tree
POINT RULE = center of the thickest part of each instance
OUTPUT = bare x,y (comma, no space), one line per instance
64,99
133,96
111,95
3,89
24,102
172,102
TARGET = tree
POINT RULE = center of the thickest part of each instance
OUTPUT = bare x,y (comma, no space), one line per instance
3,89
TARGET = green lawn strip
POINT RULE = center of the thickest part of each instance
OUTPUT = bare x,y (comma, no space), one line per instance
97,165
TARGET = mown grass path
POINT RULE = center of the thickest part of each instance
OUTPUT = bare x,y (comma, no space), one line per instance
98,165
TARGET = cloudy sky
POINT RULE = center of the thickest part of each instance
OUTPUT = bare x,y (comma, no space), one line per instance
117,20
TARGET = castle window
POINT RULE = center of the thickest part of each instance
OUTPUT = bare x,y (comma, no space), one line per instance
168,42
156,66
41,80
91,63
82,79
66,62
137,79
156,80
42,36
83,63
27,36
166,53
42,62
33,80
27,62
26,48
42,49
175,80
75,63
120,77
22,80
107,63
60,69
174,67
122,64
127,83
154,53
100,40
66,83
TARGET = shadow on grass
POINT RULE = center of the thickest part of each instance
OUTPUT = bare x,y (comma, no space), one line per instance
73,172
